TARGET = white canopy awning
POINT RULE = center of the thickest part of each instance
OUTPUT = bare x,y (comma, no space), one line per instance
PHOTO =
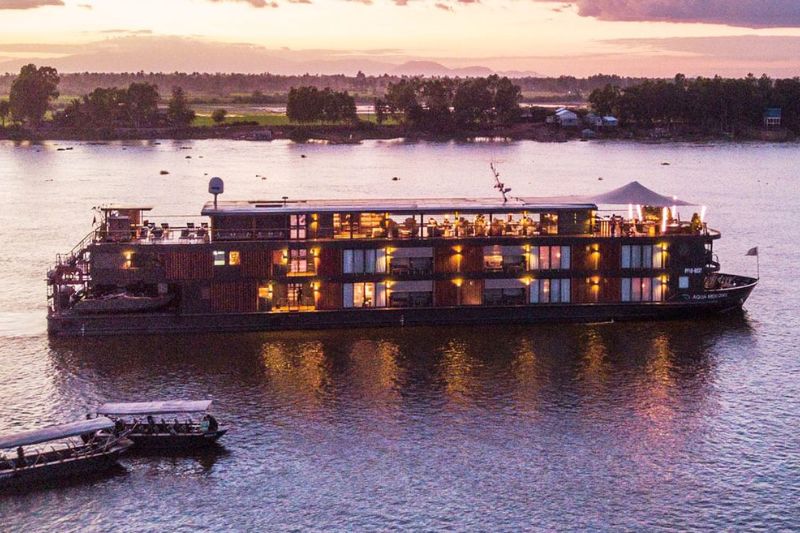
154,408
637,194
60,431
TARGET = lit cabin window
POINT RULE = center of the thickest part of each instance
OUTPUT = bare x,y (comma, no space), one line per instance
364,294
219,258
545,291
234,258
297,226
364,261
643,289
683,282
643,256
128,260
550,257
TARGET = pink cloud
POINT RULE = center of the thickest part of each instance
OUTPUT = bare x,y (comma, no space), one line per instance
28,4
745,13
442,6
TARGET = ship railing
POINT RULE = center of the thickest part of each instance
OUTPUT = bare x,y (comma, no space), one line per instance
161,234
165,234
71,257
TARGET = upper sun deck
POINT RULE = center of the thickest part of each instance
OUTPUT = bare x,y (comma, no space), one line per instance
648,214
406,206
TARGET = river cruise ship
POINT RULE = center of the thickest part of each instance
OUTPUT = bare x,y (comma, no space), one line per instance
294,264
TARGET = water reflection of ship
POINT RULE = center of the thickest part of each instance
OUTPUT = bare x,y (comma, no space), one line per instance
521,368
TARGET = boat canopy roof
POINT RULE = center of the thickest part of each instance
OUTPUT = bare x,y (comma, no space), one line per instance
637,194
60,431
398,206
154,408
125,207
632,193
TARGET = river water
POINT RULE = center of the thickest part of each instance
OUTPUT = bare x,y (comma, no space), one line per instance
637,426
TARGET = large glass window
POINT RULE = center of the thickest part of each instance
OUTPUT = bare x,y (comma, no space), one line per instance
297,226
550,258
643,289
643,256
544,291
299,261
364,294
364,261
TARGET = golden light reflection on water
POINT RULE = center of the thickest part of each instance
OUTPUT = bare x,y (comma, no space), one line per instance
374,369
595,368
457,366
655,401
296,370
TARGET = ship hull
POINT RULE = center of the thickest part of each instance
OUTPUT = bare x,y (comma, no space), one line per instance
709,302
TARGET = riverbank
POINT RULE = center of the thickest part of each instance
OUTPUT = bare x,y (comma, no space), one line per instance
346,133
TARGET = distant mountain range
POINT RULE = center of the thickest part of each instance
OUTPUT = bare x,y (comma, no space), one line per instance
182,54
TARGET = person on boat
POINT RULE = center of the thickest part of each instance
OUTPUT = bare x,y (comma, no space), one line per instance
176,426
21,462
696,224
209,424
151,424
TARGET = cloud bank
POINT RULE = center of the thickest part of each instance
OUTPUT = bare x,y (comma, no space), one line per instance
28,4
744,13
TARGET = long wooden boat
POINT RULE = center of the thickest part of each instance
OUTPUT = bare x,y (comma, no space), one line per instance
148,424
293,264
121,302
22,465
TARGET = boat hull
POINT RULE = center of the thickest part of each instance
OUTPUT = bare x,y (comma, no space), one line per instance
30,476
121,304
177,442
709,302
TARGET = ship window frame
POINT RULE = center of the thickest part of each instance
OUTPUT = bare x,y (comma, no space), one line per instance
298,227
683,282
357,292
234,258
642,289
364,261
547,291
219,257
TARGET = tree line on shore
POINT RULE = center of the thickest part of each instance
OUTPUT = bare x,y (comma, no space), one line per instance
309,104
212,88
136,106
723,105
441,104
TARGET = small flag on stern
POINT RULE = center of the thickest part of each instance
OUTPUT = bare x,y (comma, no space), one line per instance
752,251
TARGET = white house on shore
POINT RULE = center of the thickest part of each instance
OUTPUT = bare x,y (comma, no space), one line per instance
565,118
609,121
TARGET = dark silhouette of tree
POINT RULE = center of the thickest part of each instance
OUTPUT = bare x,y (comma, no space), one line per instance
218,116
507,97
305,104
31,92
472,102
401,99
5,111
178,111
381,110
142,104
308,104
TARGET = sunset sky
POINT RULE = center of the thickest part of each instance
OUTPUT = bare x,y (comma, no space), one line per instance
630,37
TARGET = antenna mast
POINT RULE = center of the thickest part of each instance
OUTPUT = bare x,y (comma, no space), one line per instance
499,185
